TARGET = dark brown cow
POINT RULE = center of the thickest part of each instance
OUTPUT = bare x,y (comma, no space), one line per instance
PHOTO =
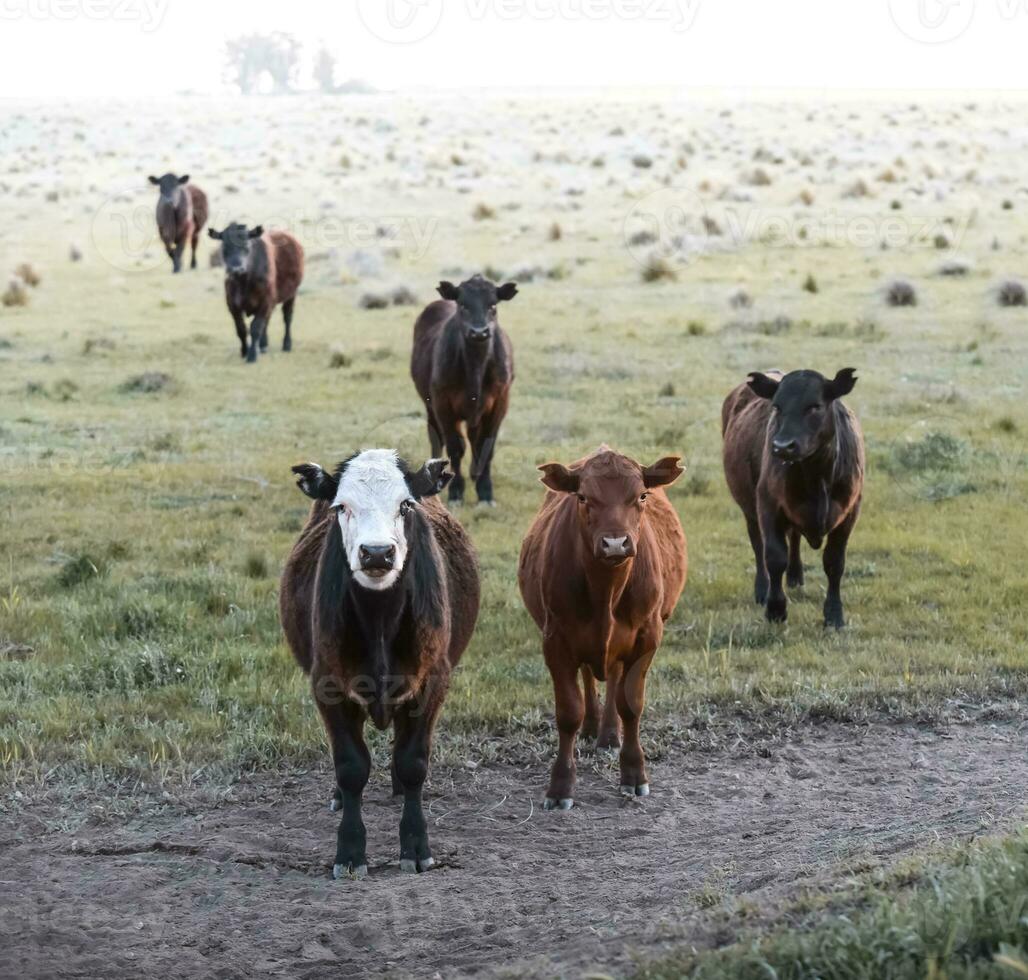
262,269
794,461
378,602
181,214
601,570
463,368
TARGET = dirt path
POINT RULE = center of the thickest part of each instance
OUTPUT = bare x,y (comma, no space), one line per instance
243,889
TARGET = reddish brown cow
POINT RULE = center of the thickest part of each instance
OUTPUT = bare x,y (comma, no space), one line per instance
462,364
378,602
262,269
794,461
601,570
181,214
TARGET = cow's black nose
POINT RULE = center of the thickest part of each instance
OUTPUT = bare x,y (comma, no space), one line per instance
784,447
377,557
478,334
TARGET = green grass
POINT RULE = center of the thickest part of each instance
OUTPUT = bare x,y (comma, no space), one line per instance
147,504
964,919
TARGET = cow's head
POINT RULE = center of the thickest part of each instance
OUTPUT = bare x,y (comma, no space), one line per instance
476,301
802,420
374,495
611,492
237,247
170,186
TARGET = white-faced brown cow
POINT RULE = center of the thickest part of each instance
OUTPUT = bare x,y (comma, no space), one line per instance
378,601
601,570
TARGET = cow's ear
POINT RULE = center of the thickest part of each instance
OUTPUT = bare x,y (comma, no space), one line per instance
256,232
216,235
558,477
762,385
315,482
154,181
842,384
507,291
448,290
663,473
429,480
184,179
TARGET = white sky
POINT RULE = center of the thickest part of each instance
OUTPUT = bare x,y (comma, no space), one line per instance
88,48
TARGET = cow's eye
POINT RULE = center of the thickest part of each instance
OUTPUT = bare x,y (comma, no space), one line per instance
342,510
643,497
406,507
581,498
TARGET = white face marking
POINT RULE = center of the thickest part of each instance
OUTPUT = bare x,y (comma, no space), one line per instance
371,493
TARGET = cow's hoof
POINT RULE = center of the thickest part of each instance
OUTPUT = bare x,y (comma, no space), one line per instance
776,612
335,804
553,804
287,347
643,789
608,740
410,866
794,581
349,872
487,503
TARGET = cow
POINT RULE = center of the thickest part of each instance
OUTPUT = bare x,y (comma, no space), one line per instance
601,570
462,364
794,462
378,601
262,269
181,214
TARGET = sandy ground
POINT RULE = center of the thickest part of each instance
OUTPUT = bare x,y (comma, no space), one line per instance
242,887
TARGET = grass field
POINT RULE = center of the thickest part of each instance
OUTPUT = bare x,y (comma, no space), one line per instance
145,494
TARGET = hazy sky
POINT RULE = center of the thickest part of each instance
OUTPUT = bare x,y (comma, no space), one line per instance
150,47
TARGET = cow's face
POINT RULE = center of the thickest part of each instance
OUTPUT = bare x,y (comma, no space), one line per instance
373,495
237,247
802,420
611,492
476,302
170,187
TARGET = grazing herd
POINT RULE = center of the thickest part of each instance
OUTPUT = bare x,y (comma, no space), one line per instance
380,594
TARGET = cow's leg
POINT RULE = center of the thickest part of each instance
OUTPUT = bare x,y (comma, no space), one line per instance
591,724
176,257
287,315
449,426
776,560
414,722
835,565
240,321
760,579
484,448
610,727
570,710
264,332
196,241
435,439
258,328
794,573
352,762
631,699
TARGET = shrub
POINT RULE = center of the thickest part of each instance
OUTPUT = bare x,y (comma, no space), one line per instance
147,383
899,292
658,269
810,284
1012,293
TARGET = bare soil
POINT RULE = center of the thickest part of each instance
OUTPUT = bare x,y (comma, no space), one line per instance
240,886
